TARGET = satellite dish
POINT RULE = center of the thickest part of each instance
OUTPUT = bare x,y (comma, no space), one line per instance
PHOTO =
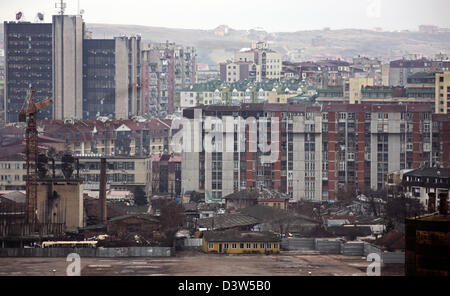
81,11
19,15
40,16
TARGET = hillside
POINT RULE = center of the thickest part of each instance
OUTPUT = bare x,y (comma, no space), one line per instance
296,45
302,45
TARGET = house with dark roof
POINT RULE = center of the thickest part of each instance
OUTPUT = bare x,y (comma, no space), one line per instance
12,207
142,224
241,199
240,242
228,221
421,182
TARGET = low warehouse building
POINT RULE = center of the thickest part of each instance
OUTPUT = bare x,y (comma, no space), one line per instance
238,242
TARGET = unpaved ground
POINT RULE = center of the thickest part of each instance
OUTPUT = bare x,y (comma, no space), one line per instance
200,264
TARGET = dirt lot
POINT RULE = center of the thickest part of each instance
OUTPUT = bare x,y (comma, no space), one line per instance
200,264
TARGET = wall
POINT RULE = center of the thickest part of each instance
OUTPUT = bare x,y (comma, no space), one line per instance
336,246
193,242
88,252
67,208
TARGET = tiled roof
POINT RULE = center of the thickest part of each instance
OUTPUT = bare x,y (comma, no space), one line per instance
137,216
227,221
15,196
429,172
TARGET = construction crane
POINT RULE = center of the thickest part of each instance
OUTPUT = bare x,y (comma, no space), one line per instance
31,151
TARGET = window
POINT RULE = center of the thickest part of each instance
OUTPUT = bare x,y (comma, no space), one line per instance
261,246
255,246
233,245
269,245
225,246
241,245
211,246
275,246
248,245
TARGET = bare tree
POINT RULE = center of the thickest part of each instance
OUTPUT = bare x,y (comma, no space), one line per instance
347,193
171,220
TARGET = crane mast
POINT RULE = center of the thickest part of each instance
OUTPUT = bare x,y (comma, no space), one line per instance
31,152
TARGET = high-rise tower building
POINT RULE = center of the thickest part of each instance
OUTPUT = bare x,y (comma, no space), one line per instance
28,62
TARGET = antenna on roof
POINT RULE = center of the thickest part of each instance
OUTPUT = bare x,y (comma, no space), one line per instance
61,6
19,15
39,17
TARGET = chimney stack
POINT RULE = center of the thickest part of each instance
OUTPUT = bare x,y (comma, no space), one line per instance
431,202
443,203
102,193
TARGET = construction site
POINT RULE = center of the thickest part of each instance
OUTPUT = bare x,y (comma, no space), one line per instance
52,208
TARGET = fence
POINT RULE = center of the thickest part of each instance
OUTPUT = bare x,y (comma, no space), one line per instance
22,229
88,252
336,246
328,246
193,243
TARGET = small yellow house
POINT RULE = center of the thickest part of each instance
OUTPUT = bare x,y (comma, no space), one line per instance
240,242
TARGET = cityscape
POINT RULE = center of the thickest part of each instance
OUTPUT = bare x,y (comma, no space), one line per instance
133,149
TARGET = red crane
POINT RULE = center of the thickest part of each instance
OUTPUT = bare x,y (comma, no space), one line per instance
31,151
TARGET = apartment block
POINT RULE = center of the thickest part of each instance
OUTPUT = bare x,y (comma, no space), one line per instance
365,67
322,74
321,149
239,92
166,68
115,137
236,71
442,99
269,61
400,70
441,140
420,89
122,173
166,174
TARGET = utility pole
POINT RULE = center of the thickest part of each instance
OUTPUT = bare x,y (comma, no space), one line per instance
102,193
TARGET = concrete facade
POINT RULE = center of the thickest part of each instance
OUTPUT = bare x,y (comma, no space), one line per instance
127,72
60,202
442,99
68,33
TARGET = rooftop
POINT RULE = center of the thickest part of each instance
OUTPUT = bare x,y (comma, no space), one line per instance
430,172
228,221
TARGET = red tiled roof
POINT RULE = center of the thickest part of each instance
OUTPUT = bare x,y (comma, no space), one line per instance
175,158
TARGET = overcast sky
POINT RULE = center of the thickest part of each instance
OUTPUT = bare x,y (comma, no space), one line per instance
271,15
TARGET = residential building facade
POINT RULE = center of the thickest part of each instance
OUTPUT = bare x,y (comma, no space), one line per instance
400,70
166,68
442,99
321,149
268,60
